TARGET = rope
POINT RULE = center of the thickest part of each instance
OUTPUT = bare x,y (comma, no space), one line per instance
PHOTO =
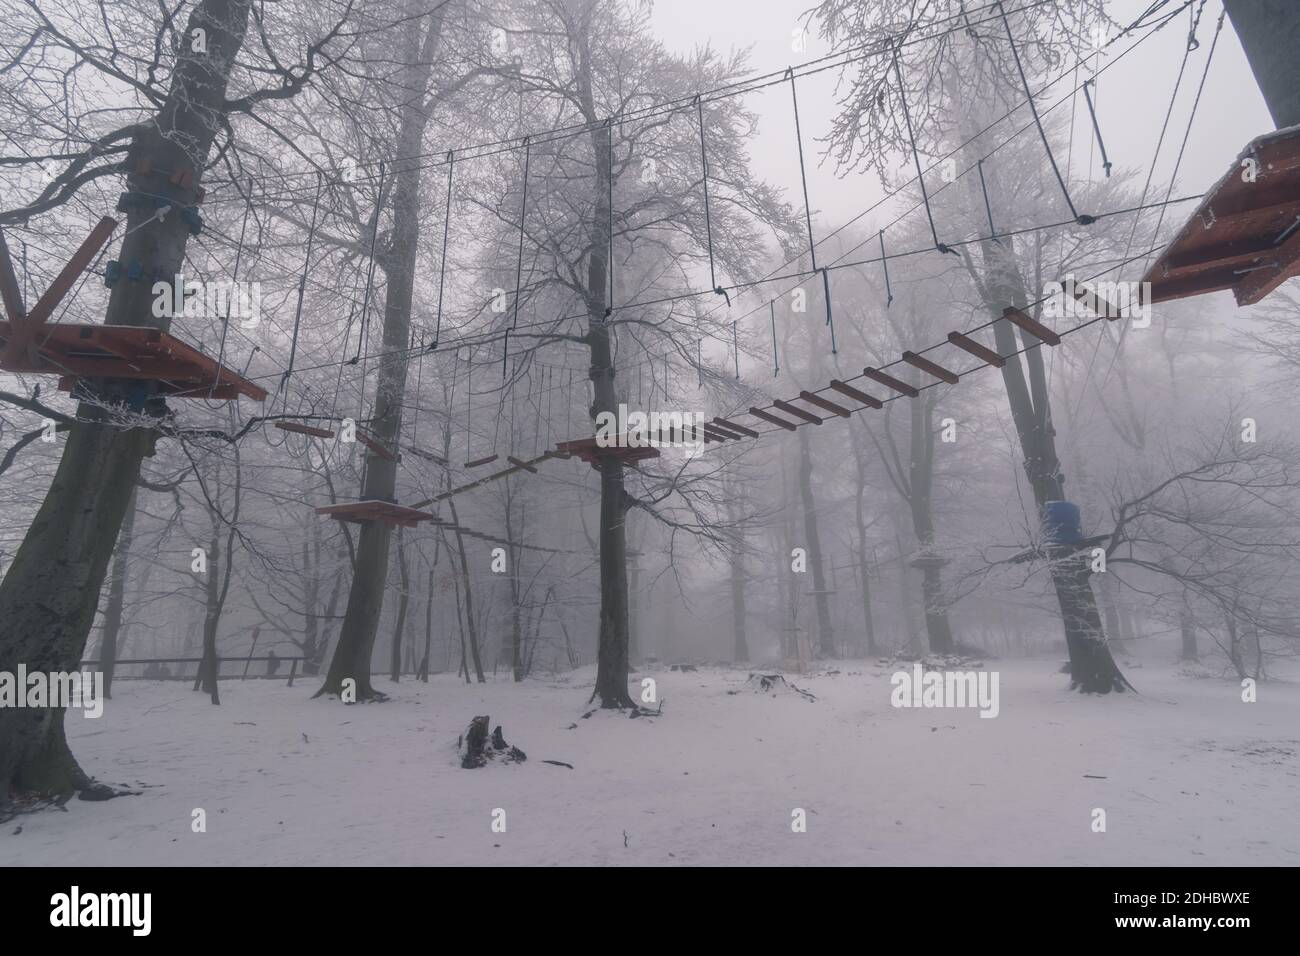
519,263
884,263
708,224
1024,81
1092,111
798,136
776,362
225,320
302,288
442,276
907,116
988,207
830,318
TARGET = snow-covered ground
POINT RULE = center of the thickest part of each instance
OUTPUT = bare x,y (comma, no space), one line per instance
1187,773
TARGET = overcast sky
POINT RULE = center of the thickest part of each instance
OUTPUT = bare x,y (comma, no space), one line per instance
1132,99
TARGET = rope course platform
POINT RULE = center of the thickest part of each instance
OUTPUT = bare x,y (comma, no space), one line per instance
388,512
592,453
1243,236
30,344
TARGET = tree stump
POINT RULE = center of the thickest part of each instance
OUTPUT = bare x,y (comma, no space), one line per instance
478,747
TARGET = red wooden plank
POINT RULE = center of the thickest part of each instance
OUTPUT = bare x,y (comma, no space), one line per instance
856,394
1033,327
759,413
796,412
815,399
890,382
977,350
925,365
78,264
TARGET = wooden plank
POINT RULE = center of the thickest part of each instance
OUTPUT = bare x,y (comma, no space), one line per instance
856,394
796,412
890,382
732,426
974,348
1260,282
10,291
302,429
814,399
1034,328
485,460
925,365
78,264
375,446
521,464
714,433
759,413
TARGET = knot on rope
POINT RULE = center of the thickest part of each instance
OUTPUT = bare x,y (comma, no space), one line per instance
948,249
723,292
1085,220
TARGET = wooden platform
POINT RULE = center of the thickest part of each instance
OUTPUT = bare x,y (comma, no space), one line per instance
386,511
1243,236
124,351
590,452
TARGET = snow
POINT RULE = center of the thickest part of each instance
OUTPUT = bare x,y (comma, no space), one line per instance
1187,773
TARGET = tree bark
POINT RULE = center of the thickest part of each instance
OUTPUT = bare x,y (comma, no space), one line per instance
1269,31
49,596
813,542
354,650
403,602
116,599
1092,668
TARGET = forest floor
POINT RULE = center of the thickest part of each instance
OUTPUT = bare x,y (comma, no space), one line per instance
1187,773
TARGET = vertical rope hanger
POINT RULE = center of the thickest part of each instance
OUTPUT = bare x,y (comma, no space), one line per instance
442,272
523,211
735,348
302,287
708,223
884,264
519,267
1096,129
916,158
830,317
1083,220
609,255
776,362
988,207
803,176
370,274
225,319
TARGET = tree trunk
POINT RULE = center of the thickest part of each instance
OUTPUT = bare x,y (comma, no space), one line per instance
1187,630
116,599
859,491
209,666
49,596
1092,668
813,542
612,641
472,627
736,560
920,484
403,602
352,654
428,629
1269,31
